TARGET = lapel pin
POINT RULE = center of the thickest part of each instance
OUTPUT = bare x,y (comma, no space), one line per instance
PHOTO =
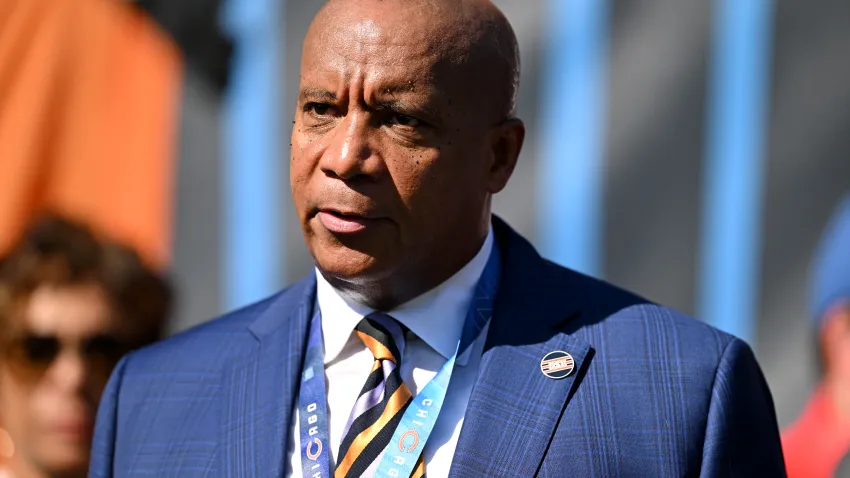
557,365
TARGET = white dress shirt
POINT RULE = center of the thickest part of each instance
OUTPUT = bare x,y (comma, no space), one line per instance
436,318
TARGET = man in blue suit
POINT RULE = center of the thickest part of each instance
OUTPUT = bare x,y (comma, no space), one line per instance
431,338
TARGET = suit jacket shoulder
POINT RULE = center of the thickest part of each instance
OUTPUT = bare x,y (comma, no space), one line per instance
212,343
188,405
653,392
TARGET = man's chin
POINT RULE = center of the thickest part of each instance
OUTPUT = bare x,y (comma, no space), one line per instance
341,265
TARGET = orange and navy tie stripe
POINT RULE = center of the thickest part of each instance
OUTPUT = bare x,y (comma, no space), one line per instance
381,403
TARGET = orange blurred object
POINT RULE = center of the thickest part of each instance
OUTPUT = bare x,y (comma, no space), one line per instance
88,108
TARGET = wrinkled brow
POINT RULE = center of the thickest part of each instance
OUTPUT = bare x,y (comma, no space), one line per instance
315,94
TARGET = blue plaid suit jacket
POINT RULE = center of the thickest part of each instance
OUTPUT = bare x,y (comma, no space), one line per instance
654,394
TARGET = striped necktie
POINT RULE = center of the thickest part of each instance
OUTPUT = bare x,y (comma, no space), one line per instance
382,401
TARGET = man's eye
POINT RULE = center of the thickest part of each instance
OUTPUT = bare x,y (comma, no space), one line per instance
318,109
404,120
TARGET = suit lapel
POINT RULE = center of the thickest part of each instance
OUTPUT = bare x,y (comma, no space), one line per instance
261,387
514,408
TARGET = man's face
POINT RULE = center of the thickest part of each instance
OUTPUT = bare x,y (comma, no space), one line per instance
392,161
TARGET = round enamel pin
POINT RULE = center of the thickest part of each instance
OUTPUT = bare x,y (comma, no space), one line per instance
557,365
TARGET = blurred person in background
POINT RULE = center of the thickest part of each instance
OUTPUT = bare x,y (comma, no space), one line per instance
815,444
71,305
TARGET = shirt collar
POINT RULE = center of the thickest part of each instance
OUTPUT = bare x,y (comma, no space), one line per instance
436,317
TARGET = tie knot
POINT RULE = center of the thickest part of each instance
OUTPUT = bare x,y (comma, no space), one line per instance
383,335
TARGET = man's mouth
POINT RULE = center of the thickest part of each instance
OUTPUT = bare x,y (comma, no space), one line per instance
342,223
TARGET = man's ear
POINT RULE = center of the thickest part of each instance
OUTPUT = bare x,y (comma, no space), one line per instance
506,145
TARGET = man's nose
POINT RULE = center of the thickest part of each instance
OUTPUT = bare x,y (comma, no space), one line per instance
352,152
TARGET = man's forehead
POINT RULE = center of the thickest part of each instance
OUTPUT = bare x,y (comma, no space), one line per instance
353,39
367,30
366,52
427,14
394,71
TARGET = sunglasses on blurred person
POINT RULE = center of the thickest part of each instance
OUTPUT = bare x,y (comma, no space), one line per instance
30,355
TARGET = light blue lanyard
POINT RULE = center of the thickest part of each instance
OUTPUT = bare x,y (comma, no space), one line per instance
417,423
313,407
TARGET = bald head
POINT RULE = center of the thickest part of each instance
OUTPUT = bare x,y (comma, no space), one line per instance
472,38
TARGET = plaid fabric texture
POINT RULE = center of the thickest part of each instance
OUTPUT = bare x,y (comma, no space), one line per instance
653,393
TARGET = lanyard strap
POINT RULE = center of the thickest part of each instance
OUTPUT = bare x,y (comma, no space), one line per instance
417,423
313,407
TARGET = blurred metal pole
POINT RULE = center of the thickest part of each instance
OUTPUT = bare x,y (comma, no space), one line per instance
734,167
572,123
251,227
